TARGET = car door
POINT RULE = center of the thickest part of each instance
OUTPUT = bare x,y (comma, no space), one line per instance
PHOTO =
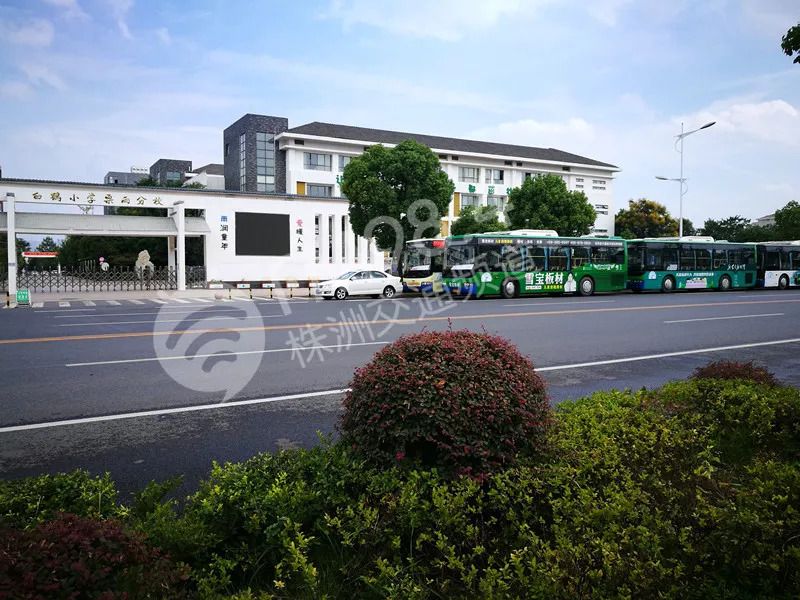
359,283
379,281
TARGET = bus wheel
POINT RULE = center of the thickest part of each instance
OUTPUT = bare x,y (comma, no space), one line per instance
725,284
586,287
509,289
783,282
668,285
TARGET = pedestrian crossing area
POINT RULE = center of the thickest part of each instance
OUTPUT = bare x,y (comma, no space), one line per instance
154,302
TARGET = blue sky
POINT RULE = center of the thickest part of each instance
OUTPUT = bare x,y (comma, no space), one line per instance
88,86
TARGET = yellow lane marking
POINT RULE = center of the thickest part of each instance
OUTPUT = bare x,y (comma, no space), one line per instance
104,336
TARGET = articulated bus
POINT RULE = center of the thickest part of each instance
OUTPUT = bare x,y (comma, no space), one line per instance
690,263
778,265
421,266
531,262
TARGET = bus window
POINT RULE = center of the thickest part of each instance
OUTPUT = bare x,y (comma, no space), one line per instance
735,257
703,259
748,256
669,259
580,257
512,258
490,258
653,259
535,259
635,254
772,260
601,255
794,259
557,259
687,259
618,258
785,259
720,259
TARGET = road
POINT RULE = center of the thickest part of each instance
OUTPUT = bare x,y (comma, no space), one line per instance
244,377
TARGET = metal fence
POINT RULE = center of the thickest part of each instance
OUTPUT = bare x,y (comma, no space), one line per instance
114,279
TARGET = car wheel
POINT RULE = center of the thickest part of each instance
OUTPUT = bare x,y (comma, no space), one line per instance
509,288
388,292
668,285
783,282
586,286
340,293
725,284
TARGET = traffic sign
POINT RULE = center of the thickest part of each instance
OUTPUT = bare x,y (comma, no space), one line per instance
33,254
23,298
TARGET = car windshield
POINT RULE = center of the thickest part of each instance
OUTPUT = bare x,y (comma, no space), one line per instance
347,275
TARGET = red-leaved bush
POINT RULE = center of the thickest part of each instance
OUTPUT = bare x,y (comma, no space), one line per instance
736,370
466,403
75,557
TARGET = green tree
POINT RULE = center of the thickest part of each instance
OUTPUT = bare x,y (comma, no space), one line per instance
546,203
48,244
688,228
729,229
787,221
790,43
482,220
645,219
383,183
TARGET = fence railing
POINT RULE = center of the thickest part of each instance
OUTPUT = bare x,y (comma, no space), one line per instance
114,279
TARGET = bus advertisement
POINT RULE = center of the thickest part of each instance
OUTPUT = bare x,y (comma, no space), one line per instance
778,265
670,264
513,265
421,266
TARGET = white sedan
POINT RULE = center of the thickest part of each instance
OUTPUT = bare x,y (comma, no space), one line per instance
360,283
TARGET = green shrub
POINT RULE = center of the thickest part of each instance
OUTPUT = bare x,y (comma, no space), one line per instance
463,402
73,557
24,503
724,370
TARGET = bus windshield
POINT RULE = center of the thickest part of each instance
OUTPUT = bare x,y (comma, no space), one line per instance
422,259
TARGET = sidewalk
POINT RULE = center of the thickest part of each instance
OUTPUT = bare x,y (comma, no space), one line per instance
64,299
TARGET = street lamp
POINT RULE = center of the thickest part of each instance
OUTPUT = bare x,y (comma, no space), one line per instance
681,179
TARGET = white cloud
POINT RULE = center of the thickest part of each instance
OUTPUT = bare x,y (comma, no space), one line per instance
163,35
38,32
38,73
774,121
447,20
71,8
18,90
120,8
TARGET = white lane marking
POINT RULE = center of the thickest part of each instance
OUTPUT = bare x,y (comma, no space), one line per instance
759,295
242,298
89,303
180,300
668,354
723,318
199,318
202,300
554,303
114,303
63,303
170,411
157,301
83,310
37,305
136,314
269,351
136,301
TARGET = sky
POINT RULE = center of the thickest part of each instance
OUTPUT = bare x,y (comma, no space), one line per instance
90,86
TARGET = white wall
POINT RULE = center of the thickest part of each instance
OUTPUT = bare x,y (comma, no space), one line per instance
211,182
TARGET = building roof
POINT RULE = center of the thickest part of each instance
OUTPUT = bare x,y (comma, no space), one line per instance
211,169
348,132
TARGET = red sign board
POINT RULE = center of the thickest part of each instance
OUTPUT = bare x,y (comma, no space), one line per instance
40,254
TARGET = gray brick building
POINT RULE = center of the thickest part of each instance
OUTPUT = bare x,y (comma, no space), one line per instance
169,170
252,160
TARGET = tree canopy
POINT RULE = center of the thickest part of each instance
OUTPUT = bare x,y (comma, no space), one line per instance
47,244
787,221
545,203
383,183
644,219
790,43
729,229
480,220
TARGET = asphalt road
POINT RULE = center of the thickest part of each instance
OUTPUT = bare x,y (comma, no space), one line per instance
247,377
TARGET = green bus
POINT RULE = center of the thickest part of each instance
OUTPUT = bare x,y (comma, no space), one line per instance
524,262
690,263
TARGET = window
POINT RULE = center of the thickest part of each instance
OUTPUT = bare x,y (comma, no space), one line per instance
343,160
265,162
507,163
442,156
557,258
242,164
720,259
227,149
566,168
702,259
599,181
794,256
519,164
579,179
528,176
173,176
603,255
316,162
494,175
580,257
601,206
772,260
469,200
598,187
498,201
324,191
687,259
535,259
469,174
600,212
299,142
377,275
453,158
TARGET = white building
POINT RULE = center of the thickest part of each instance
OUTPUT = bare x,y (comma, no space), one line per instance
263,154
